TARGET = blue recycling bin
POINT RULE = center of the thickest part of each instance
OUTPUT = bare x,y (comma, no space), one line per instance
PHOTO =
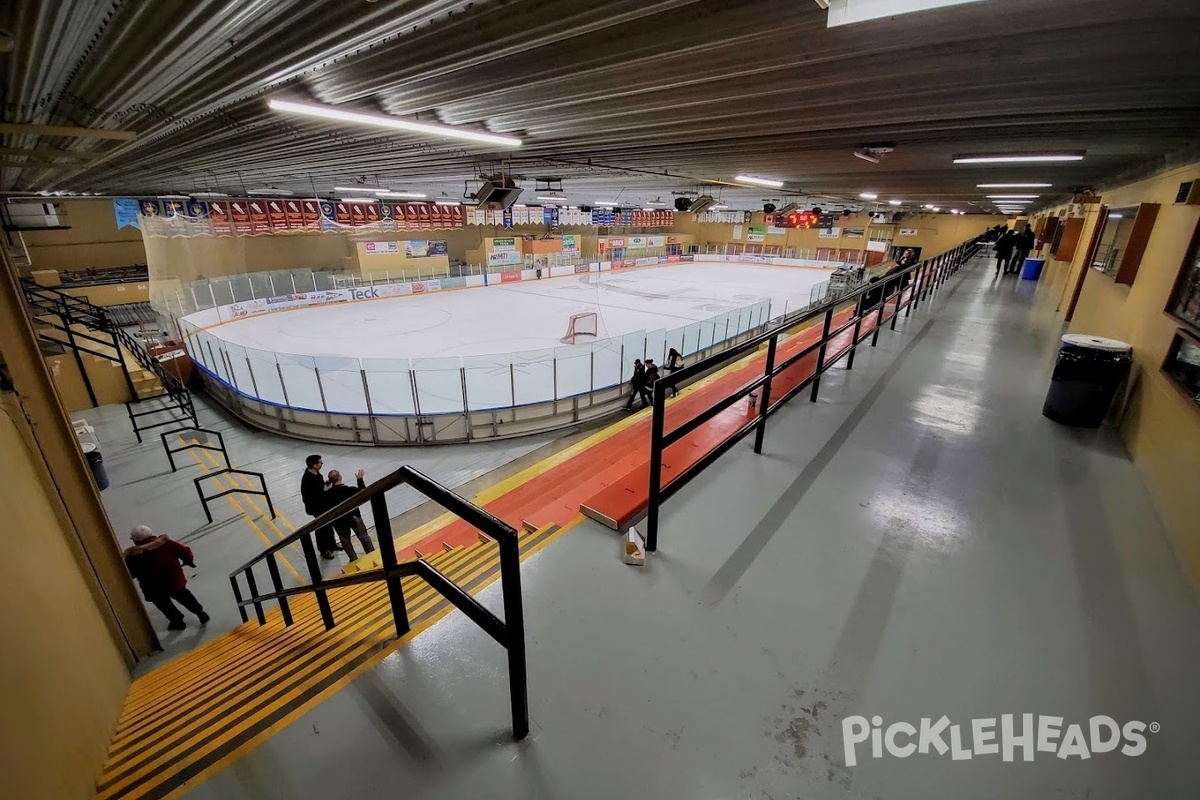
1033,269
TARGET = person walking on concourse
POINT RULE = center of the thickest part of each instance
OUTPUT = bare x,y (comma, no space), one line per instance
154,560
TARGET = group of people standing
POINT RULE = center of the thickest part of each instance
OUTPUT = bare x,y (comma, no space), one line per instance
644,377
1012,249
321,493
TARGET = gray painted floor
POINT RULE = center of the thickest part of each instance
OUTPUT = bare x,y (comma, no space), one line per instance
143,491
920,542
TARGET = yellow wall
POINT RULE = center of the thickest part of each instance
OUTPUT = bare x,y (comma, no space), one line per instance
111,294
92,241
1161,428
64,678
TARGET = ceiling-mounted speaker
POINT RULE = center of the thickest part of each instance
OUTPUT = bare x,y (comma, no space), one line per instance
616,210
816,210
846,212
586,209
497,194
768,208
702,203
682,203
789,208
899,215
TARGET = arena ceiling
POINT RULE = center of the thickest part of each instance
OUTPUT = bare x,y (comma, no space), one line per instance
623,100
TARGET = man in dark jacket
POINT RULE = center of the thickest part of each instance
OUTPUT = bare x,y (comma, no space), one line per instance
1022,246
312,492
337,493
155,562
1004,250
637,385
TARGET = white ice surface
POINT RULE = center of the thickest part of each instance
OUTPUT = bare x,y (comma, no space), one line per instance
517,317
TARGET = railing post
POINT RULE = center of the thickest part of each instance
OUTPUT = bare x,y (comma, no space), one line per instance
858,318
657,420
761,431
314,574
812,398
203,500
258,609
237,595
879,314
387,555
514,633
273,568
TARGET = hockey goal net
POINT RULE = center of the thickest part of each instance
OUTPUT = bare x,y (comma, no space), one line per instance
586,324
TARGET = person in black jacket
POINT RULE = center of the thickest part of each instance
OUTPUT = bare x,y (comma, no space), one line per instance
637,385
674,364
337,493
1022,246
1004,250
312,492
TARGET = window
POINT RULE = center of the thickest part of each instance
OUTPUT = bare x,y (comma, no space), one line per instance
1182,364
1185,299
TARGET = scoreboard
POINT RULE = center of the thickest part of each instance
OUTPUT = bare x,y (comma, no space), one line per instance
801,219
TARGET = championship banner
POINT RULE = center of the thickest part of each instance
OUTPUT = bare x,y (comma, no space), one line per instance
508,218
328,220
456,216
259,223
410,216
399,211
219,218
423,216
239,210
371,211
172,208
311,211
386,221
358,214
293,214
341,213
277,215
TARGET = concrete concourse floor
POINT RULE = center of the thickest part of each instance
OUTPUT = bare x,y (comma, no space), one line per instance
919,542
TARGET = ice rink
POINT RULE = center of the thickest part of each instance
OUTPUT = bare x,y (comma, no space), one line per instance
516,317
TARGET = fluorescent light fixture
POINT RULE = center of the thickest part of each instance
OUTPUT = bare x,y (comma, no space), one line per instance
774,184
928,205
868,195
447,203
382,121
653,203
174,197
1013,185
1016,158
405,195
360,189
270,192
895,202
866,155
209,194
648,208
1013,196
604,203
848,12
550,199
1116,216
720,208
357,200
955,211
934,208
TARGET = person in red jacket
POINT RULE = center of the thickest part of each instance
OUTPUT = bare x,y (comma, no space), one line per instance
155,561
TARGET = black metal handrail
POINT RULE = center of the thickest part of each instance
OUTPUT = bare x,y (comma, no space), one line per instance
909,287
220,448
204,499
509,632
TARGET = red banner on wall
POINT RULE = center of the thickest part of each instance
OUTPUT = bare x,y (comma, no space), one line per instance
510,277
239,210
259,221
218,218
399,214
424,216
358,214
341,213
277,215
371,210
293,214
457,217
311,209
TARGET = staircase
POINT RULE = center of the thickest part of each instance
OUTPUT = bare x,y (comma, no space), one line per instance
82,327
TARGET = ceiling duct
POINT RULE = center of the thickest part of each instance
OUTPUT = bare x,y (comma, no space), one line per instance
497,194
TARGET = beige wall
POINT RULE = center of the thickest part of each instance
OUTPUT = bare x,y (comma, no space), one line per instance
92,240
1160,427
65,679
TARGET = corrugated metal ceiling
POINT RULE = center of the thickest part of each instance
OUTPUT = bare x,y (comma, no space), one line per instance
636,98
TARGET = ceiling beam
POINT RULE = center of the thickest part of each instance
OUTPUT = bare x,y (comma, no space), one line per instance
62,130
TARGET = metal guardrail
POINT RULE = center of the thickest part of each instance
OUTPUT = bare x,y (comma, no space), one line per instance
204,499
197,444
871,300
509,632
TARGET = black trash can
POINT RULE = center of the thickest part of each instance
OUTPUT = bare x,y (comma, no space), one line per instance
1089,371
96,461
